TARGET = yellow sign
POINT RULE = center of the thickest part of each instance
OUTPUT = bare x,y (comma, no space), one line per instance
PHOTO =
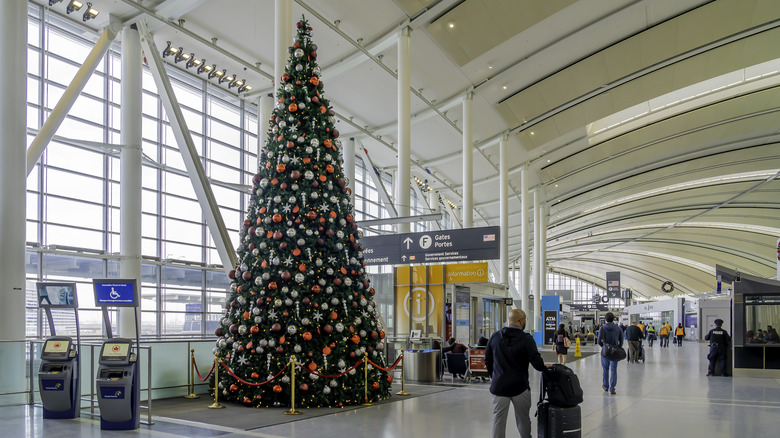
419,295
577,350
466,273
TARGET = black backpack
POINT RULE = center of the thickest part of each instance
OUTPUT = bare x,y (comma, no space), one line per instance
561,386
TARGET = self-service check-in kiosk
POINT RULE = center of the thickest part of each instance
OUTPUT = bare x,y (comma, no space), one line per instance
117,379
58,375
117,385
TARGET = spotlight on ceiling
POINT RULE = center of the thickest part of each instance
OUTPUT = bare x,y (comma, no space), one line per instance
169,50
235,82
90,13
180,55
53,2
212,69
243,87
74,5
202,66
221,75
192,61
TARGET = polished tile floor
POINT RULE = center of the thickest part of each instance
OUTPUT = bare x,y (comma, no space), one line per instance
667,397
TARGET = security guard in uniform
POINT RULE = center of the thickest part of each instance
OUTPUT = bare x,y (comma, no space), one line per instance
719,345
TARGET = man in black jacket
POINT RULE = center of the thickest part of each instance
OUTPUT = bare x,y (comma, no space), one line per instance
634,337
507,356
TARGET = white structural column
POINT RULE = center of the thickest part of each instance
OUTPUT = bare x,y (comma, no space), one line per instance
525,284
542,244
46,133
468,162
13,178
503,195
265,106
433,203
349,167
403,176
130,172
283,37
537,256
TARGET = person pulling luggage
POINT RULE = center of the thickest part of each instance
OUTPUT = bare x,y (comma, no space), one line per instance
719,345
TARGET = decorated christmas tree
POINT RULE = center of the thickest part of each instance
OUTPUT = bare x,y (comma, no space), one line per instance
301,287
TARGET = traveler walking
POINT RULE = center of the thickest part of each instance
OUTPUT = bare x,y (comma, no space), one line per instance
612,335
633,336
507,356
663,332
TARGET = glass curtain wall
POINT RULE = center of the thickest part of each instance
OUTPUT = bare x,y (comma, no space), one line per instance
73,192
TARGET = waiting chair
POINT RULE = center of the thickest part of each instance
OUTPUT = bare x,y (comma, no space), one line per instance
456,364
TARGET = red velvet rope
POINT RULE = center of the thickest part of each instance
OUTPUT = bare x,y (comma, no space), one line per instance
202,379
386,369
250,383
357,364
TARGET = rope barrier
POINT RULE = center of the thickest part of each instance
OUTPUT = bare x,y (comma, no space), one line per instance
386,369
202,379
250,383
335,375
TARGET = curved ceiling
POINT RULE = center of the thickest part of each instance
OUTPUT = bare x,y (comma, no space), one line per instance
650,128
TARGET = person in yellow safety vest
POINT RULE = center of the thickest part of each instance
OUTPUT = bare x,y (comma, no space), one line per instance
679,332
650,335
663,331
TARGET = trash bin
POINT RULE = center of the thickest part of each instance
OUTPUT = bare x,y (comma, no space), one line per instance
421,365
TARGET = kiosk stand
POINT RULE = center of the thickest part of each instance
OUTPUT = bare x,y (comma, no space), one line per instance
58,376
118,388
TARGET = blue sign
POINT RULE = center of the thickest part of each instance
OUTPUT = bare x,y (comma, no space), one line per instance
112,392
116,293
52,385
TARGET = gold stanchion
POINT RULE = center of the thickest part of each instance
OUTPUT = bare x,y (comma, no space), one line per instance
365,383
216,404
403,377
192,376
292,410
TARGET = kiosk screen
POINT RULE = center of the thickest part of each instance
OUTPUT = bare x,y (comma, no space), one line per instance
56,348
116,351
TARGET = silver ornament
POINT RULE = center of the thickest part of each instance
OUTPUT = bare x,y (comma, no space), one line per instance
298,53
308,175
258,319
288,302
291,232
334,301
299,278
339,327
292,329
315,142
242,329
258,281
324,306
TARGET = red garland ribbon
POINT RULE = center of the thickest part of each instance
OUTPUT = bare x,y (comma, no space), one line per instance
250,383
386,369
202,379
357,364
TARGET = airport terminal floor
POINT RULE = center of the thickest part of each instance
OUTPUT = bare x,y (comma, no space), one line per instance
668,396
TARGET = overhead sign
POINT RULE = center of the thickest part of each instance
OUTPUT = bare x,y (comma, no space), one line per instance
116,293
432,247
587,307
613,284
466,273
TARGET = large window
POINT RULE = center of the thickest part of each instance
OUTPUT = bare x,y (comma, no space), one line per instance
73,193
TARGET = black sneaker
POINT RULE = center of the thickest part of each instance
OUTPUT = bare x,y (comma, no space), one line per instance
604,388
613,392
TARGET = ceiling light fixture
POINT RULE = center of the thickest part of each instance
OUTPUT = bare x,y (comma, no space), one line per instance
203,67
225,77
212,69
53,2
90,13
74,5
451,25
168,50
191,61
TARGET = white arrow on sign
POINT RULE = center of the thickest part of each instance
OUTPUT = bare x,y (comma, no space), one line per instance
408,241
403,257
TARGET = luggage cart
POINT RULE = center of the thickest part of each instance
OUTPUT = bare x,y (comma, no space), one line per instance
477,367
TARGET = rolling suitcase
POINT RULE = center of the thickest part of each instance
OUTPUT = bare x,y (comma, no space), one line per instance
557,422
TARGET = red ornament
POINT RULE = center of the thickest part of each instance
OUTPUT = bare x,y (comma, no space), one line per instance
315,289
328,328
295,174
272,285
247,223
304,387
283,245
277,217
326,350
312,366
286,276
389,378
277,389
374,334
355,339
276,327
233,388
254,330
307,336
280,349
381,334
334,315
246,275
285,78
337,281
315,99
292,107
278,235
232,274
375,385
311,215
255,376
305,302
280,168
